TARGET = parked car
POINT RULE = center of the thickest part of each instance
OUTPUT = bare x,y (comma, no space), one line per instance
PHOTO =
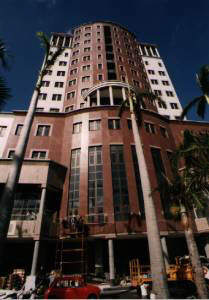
179,289
71,287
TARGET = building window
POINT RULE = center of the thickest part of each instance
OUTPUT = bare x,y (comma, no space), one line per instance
74,71
75,53
99,66
66,54
86,68
98,40
119,184
146,62
151,72
120,58
129,123
138,181
133,72
70,95
60,73
123,78
39,109
162,73
69,108
84,91
59,84
38,154
158,92
43,130
136,83
48,72
165,82
87,34
99,48
76,45
42,96
159,64
87,49
18,129
154,81
11,153
72,82
77,127
82,105
87,41
163,132
56,97
114,123
169,93
94,125
122,68
100,77
99,56
74,61
45,83
95,184
149,127
26,203
54,110
162,104
74,190
2,130
174,105
86,79
86,58
62,63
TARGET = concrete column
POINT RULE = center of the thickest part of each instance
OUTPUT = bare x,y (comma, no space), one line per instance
111,261
158,54
88,101
124,93
99,268
111,95
98,97
165,251
37,242
145,49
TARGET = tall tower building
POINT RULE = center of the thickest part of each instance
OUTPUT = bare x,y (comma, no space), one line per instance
81,156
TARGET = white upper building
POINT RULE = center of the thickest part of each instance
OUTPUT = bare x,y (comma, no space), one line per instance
160,82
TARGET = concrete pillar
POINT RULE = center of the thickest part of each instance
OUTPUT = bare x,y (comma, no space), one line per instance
88,101
99,268
124,94
98,97
165,251
111,261
37,242
111,95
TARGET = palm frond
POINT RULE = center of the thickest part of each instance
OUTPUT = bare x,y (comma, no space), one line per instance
45,43
4,92
189,106
3,55
123,107
203,79
201,107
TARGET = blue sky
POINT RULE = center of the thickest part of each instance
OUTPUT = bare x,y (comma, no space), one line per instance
180,28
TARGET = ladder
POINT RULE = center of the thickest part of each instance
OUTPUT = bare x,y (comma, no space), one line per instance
71,254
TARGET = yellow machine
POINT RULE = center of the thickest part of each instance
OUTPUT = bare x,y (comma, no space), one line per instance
181,270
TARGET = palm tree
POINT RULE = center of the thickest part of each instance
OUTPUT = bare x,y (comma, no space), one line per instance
7,199
133,102
201,101
4,90
188,189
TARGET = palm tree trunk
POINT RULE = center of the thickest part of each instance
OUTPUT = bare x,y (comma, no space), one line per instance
159,277
7,199
194,255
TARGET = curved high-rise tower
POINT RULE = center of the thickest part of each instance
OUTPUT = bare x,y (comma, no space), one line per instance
81,156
